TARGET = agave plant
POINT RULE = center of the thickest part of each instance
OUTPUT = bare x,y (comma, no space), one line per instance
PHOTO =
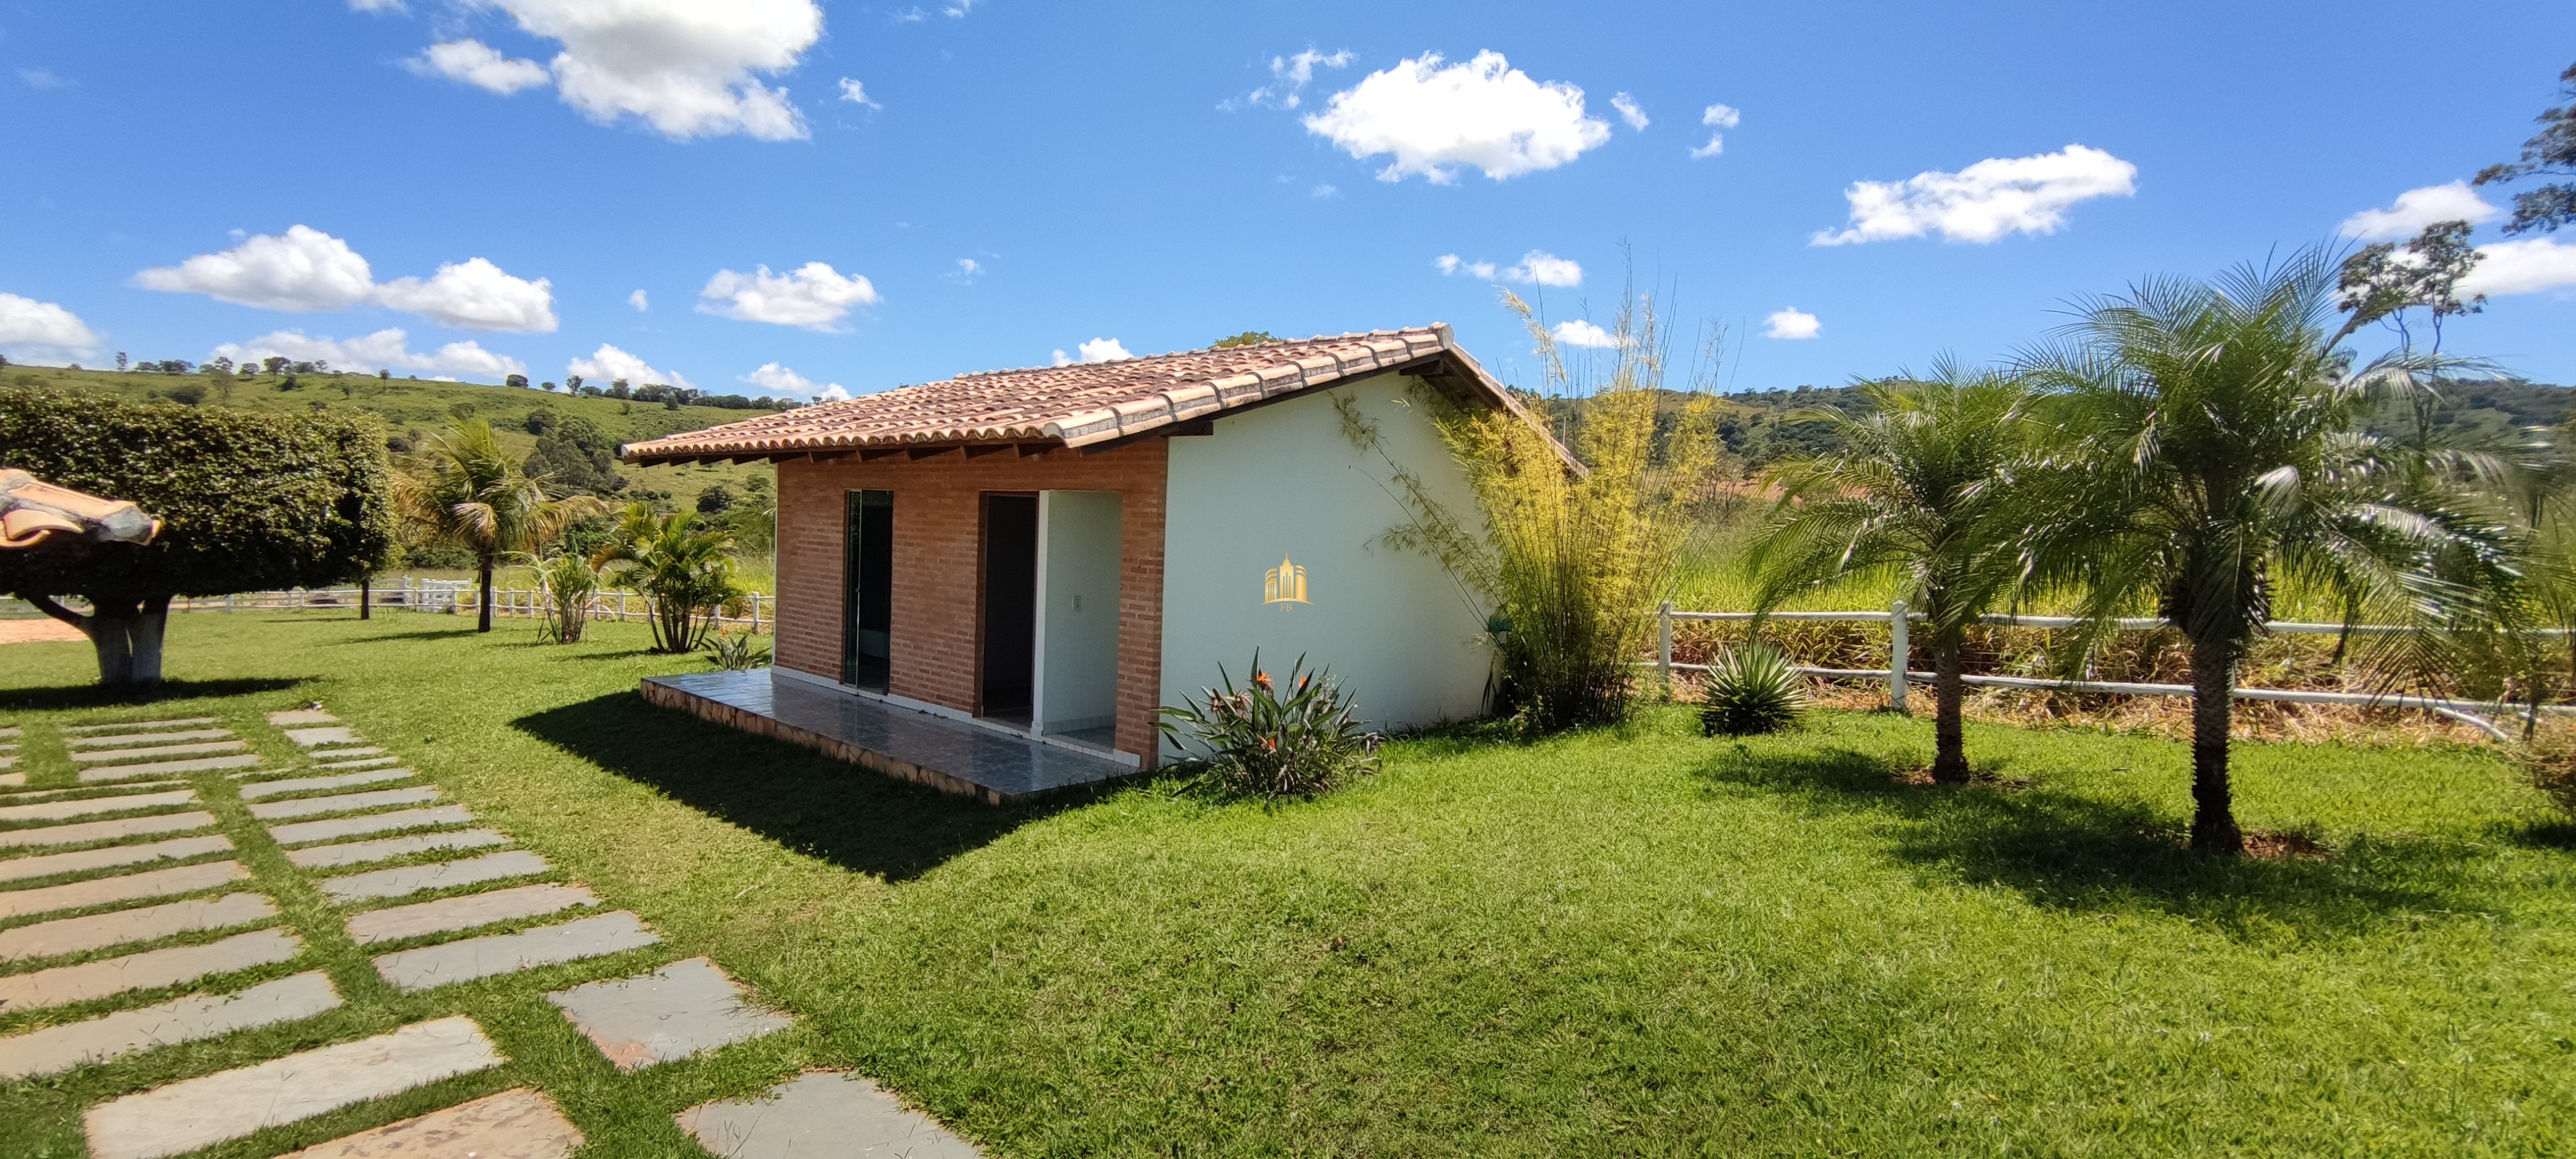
1751,689
1257,740
566,583
736,651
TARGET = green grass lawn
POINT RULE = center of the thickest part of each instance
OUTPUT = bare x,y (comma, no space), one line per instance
1622,942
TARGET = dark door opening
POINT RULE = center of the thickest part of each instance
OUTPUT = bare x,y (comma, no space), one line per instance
868,572
1010,605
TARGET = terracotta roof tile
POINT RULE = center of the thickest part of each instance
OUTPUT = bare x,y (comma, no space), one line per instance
1077,405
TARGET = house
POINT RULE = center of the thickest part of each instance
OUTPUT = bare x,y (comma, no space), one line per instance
992,584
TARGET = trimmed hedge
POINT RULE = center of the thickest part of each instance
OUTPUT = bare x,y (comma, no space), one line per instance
248,501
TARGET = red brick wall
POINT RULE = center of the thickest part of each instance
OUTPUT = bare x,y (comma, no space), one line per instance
938,517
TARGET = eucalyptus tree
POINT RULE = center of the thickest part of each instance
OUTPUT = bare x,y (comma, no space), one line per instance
2207,445
465,490
1919,492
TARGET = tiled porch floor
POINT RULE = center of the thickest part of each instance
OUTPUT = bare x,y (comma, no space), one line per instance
916,746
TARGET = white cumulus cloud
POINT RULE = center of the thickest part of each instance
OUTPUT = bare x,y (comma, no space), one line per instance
383,350
1792,324
1536,268
475,295
377,6
2521,267
480,65
1096,350
608,364
857,94
303,270
689,68
814,296
2417,208
306,270
1718,118
1630,111
640,300
33,331
1577,332
775,379
1484,113
1985,201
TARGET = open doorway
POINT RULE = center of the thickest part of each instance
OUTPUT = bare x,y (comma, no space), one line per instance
1010,607
1079,550
867,568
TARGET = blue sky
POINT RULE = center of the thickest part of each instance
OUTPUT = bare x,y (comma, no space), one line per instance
497,180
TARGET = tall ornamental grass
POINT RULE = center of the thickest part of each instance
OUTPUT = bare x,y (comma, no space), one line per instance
1578,548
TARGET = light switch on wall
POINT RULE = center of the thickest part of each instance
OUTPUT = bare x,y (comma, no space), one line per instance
1077,602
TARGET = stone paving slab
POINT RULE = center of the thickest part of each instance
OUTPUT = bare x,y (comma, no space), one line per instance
11,779
408,879
386,849
368,763
150,738
309,737
184,1020
683,1009
88,806
343,803
124,887
186,1116
175,849
463,961
166,768
258,789
89,831
97,931
12,730
464,913
177,750
364,750
515,1124
163,967
338,827
98,792
178,722
821,1115
295,716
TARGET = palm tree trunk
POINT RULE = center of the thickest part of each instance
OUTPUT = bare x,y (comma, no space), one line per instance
1949,746
2213,685
483,606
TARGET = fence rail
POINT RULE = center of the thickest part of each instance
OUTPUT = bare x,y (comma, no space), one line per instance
1897,675
457,597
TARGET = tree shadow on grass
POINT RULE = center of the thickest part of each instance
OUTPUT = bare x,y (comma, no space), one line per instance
844,814
2069,851
96,696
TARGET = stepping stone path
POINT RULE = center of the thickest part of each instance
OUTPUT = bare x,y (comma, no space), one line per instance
185,1116
820,1115
683,1009
176,849
77,935
515,1124
343,803
364,840
186,1020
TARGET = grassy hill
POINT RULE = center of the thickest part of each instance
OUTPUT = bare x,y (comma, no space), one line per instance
412,408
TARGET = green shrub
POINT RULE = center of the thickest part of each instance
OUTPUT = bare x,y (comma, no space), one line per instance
736,651
1257,742
1751,689
248,502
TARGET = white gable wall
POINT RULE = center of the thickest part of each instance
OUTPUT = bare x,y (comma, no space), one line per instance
1283,481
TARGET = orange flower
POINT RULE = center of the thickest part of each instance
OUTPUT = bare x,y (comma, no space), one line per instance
1261,680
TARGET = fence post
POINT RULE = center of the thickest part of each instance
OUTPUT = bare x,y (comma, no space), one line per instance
1664,645
1899,651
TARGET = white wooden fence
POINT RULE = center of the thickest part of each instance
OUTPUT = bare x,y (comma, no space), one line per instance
1897,676
460,597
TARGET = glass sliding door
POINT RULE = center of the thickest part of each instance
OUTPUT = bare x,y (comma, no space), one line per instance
867,573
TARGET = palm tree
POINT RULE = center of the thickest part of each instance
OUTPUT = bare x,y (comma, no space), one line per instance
681,565
1917,492
465,490
2208,447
